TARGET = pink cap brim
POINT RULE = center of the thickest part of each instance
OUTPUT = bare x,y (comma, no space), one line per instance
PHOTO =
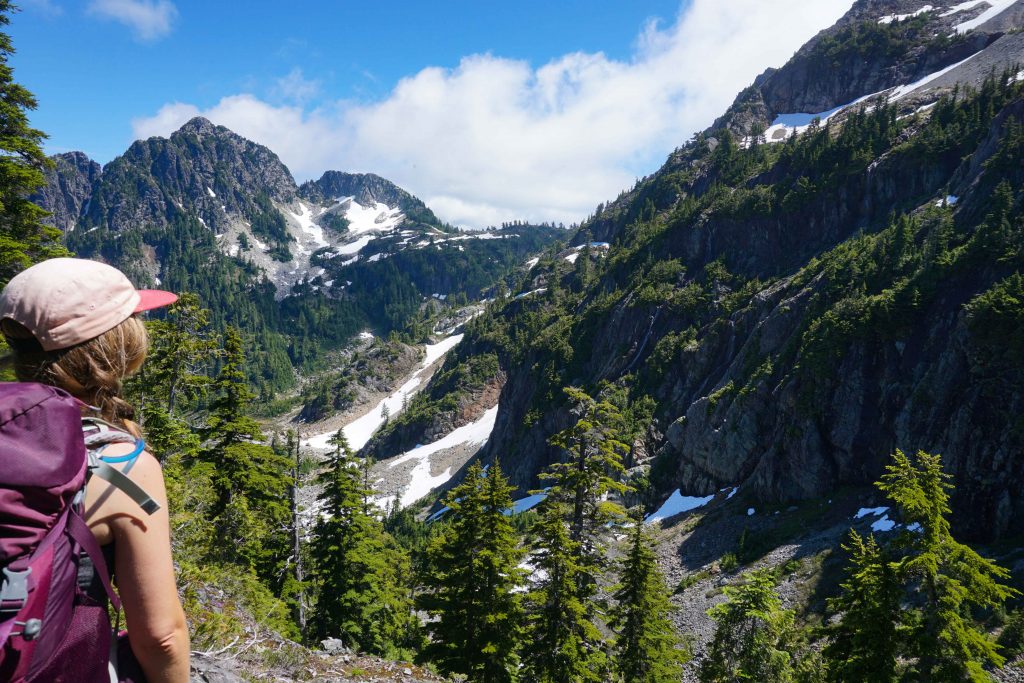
154,298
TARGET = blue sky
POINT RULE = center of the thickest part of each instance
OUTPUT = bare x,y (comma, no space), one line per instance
488,111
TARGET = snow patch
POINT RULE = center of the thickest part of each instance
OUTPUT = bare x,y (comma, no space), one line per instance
423,482
532,262
211,193
888,19
359,431
571,258
996,7
677,504
376,218
353,247
305,220
750,512
528,503
962,7
365,334
875,512
883,524
904,90
785,125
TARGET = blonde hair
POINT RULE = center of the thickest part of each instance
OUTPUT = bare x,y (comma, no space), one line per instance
92,371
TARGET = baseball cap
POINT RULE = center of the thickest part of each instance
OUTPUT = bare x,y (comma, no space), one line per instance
66,301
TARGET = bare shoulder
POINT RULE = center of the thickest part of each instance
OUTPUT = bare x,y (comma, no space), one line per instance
110,512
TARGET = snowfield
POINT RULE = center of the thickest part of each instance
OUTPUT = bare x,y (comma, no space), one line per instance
359,431
376,218
996,7
305,220
422,481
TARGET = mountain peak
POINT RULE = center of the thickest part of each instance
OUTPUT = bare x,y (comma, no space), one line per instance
199,125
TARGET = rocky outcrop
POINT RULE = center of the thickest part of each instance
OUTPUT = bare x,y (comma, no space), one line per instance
68,189
860,56
202,169
367,189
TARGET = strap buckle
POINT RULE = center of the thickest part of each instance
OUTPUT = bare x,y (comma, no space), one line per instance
14,593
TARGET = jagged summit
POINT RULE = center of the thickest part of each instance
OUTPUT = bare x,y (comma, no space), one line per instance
201,125
878,46
367,189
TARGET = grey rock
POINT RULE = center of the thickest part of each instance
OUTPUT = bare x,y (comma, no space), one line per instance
68,188
206,670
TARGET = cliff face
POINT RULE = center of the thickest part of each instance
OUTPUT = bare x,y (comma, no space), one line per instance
797,311
68,188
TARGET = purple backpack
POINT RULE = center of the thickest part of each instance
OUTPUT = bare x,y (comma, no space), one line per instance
50,629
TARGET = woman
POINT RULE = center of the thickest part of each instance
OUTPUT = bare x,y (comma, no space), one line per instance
71,323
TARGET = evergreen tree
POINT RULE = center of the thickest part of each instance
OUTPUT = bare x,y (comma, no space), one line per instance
182,348
360,571
949,576
752,634
591,471
471,576
562,645
864,644
249,478
24,240
646,646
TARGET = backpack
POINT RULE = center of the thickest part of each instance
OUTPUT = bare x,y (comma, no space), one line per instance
50,628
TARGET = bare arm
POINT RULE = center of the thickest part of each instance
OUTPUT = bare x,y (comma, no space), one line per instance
144,571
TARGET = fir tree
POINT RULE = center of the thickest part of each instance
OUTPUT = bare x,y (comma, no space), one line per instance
250,479
752,634
562,645
360,571
181,350
471,577
950,577
182,347
591,471
864,644
24,240
646,645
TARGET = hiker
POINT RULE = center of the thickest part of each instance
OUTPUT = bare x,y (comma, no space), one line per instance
72,324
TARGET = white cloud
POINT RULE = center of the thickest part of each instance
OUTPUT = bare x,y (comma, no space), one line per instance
295,87
148,19
495,139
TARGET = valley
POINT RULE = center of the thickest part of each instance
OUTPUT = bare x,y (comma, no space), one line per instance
558,439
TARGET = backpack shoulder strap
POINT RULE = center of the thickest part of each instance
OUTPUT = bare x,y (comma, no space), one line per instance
98,435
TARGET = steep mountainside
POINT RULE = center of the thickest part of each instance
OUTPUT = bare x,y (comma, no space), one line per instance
793,308
68,188
300,270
